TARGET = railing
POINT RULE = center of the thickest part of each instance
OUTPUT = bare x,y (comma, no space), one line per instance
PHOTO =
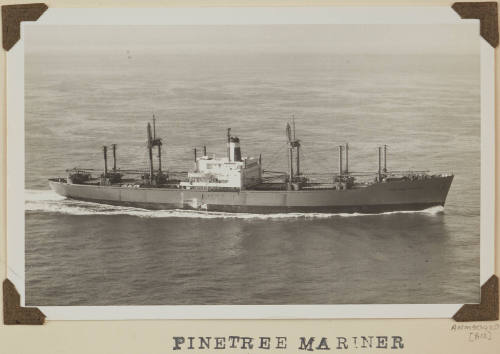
271,175
124,171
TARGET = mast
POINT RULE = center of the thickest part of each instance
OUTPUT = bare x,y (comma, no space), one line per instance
298,160
228,142
346,158
105,152
195,153
114,157
385,158
159,157
296,144
154,127
204,150
150,150
341,150
158,142
379,163
290,154
152,142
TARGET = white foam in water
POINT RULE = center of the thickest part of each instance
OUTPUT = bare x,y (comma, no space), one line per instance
50,202
42,195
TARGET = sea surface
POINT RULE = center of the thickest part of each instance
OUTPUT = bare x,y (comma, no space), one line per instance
424,107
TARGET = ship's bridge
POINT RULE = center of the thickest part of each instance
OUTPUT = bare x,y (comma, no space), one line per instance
228,172
222,173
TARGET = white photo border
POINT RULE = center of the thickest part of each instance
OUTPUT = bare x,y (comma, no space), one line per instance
240,16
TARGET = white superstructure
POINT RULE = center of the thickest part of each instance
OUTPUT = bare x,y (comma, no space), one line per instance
232,172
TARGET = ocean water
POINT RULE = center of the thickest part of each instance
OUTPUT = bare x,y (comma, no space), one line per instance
424,107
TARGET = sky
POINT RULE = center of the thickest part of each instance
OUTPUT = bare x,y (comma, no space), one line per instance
442,39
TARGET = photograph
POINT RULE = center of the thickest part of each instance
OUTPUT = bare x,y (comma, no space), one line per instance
252,164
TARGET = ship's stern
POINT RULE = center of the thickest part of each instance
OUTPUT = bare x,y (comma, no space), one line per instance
59,185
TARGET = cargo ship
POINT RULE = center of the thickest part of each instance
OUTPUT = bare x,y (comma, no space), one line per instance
234,183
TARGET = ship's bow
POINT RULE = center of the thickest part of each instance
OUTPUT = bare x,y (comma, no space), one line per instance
444,187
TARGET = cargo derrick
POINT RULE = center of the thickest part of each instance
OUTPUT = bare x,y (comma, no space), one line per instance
80,176
235,172
295,180
344,180
159,178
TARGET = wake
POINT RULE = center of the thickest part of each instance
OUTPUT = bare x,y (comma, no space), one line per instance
47,201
